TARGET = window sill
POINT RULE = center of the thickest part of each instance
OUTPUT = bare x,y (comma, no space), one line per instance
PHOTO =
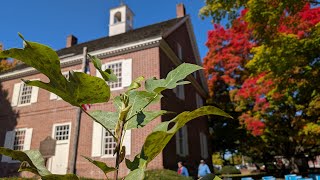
21,105
107,156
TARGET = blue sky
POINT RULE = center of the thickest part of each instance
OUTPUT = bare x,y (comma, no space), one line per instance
50,22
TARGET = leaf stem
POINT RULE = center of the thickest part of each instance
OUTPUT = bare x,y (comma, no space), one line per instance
99,123
142,108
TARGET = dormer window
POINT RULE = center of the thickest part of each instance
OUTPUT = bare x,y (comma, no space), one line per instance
117,17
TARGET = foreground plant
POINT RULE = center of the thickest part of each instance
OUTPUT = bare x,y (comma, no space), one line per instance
131,109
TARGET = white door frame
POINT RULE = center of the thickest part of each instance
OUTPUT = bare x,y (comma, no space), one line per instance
60,141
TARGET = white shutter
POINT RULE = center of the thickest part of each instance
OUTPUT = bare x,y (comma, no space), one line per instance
178,143
15,94
182,96
199,100
8,143
185,140
127,142
96,140
53,96
203,145
126,72
27,139
34,94
103,67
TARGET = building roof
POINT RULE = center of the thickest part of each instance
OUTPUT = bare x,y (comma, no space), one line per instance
134,35
146,32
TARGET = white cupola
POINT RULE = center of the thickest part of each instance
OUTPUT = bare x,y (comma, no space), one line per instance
121,20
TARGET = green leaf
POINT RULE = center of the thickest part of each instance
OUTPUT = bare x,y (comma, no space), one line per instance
135,84
107,75
60,177
159,138
107,119
173,78
80,89
140,99
143,118
101,165
33,158
137,174
136,163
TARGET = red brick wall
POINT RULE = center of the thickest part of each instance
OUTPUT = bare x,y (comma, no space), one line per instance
173,103
42,115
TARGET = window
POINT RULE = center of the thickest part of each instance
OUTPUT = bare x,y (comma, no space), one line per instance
25,94
182,141
103,143
179,91
109,143
122,69
19,140
62,132
117,17
203,145
179,50
199,100
117,70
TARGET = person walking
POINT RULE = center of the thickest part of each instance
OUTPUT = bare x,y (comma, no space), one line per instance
182,170
203,169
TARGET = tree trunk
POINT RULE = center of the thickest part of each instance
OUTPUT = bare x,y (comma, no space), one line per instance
293,165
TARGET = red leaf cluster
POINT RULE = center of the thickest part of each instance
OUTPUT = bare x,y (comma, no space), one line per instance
300,23
254,125
229,52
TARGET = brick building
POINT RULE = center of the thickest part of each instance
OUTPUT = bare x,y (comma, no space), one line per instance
29,114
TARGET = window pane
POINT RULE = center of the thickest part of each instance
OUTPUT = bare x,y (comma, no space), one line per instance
117,70
19,140
25,94
62,132
109,143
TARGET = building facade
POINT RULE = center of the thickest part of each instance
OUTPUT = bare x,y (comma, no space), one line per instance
28,114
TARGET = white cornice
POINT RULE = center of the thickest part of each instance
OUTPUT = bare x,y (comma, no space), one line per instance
72,60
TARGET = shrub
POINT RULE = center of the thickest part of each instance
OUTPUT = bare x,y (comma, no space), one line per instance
229,170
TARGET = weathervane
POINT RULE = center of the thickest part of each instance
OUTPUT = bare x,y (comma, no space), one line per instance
121,2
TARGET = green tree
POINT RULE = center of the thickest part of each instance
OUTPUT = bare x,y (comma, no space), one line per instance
269,59
217,159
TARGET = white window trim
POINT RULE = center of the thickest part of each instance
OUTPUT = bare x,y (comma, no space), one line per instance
185,139
180,92
97,146
199,100
15,101
204,145
54,131
124,72
179,52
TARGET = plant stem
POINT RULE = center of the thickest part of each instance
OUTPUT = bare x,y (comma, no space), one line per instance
118,149
142,108
99,123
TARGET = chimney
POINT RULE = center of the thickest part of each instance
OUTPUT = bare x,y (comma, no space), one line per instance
181,10
71,41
